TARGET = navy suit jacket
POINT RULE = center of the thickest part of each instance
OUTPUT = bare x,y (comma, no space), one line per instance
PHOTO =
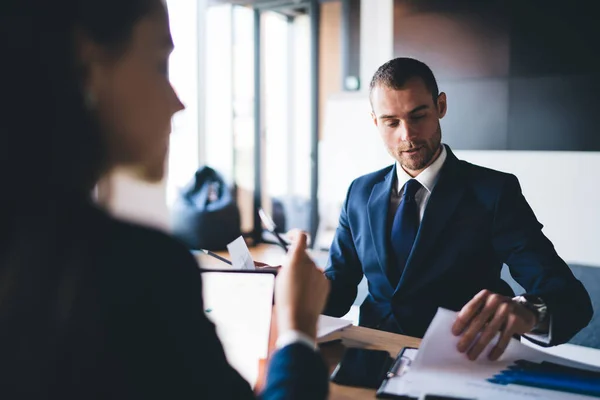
475,221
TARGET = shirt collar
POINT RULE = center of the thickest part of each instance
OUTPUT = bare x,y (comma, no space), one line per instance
427,178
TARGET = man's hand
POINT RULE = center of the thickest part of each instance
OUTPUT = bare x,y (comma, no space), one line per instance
484,316
294,234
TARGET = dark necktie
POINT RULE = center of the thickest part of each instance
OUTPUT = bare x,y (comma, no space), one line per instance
404,231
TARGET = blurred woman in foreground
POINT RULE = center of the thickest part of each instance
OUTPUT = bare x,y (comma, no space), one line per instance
92,307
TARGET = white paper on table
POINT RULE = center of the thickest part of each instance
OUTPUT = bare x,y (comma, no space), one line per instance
328,325
440,369
240,255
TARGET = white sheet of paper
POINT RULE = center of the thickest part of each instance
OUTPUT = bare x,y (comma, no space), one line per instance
240,306
440,369
240,255
327,325
438,351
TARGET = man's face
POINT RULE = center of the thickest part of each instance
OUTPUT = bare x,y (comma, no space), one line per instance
408,122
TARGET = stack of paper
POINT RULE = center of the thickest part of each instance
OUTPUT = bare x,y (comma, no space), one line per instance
330,328
441,370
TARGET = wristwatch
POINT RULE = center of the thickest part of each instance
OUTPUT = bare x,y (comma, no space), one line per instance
535,305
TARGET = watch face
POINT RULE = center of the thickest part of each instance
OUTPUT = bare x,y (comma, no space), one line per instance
534,300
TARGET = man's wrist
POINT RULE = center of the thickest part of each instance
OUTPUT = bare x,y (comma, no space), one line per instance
539,309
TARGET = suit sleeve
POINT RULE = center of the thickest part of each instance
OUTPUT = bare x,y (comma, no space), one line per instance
344,269
519,242
296,372
195,360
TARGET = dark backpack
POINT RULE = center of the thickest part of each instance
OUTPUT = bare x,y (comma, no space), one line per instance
205,214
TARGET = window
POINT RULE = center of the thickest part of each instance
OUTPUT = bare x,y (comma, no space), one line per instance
219,130
183,73
287,140
229,121
243,112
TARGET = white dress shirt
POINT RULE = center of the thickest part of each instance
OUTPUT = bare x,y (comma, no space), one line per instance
427,178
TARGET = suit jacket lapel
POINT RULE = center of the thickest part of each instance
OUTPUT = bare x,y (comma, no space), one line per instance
377,210
443,201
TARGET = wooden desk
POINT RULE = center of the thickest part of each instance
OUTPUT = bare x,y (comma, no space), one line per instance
356,336
265,253
353,336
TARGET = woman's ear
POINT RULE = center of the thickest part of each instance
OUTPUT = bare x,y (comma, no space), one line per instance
91,58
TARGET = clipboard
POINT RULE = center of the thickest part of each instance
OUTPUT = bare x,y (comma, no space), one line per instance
399,367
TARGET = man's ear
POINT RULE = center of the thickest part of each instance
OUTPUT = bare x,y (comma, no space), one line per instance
442,105
374,117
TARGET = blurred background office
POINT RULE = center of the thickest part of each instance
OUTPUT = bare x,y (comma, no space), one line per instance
277,101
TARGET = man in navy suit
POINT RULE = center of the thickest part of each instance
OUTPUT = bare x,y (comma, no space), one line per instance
434,231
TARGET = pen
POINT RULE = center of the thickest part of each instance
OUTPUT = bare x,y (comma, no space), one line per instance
270,225
210,253
399,366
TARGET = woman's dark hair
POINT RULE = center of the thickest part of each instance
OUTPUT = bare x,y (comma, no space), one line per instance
53,140
52,154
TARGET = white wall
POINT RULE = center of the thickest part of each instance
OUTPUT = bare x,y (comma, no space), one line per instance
350,146
137,201
562,187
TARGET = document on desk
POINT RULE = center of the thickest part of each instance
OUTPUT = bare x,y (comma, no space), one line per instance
330,328
240,254
521,373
